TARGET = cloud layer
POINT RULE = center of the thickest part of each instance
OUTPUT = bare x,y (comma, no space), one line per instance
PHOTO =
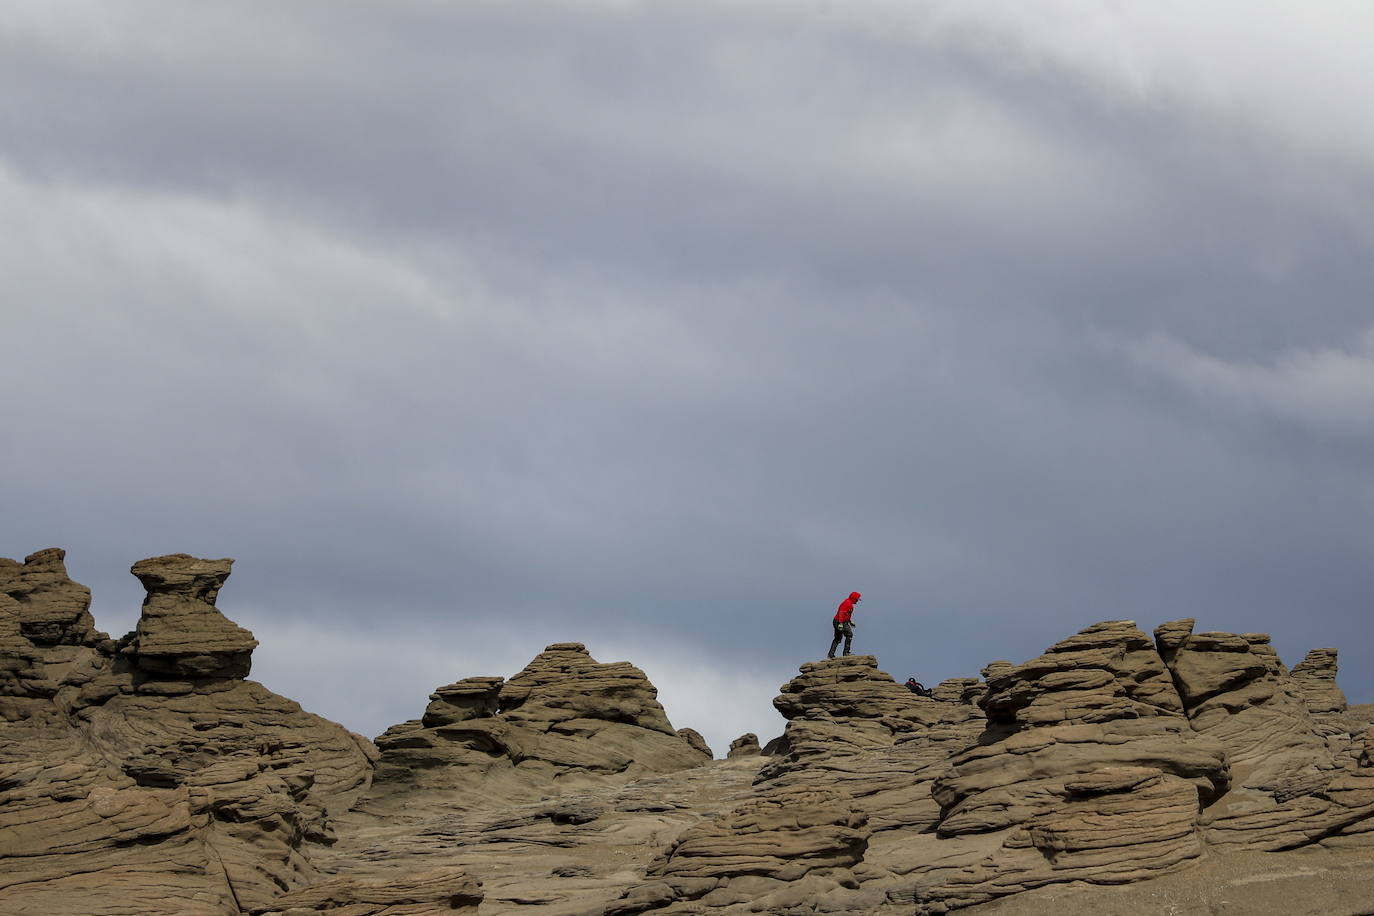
663,326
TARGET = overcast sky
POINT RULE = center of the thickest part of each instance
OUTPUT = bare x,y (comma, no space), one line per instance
470,327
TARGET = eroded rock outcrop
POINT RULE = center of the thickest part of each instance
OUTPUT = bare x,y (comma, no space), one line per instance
1292,785
1088,770
565,720
787,850
52,609
1315,678
695,739
746,745
1110,760
847,705
148,776
181,633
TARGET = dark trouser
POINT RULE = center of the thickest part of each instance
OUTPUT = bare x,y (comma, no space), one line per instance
843,631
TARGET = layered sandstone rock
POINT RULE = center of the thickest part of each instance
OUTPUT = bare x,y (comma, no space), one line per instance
790,847
745,745
53,610
845,706
1315,678
851,687
563,721
1088,770
695,739
1291,784
150,777
854,730
181,634
432,891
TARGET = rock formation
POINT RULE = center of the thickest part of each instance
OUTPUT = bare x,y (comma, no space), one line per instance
695,739
745,745
1315,678
147,775
564,721
181,634
52,609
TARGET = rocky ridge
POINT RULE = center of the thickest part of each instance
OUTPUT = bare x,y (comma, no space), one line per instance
148,775
565,721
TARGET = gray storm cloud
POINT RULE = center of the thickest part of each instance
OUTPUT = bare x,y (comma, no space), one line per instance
664,326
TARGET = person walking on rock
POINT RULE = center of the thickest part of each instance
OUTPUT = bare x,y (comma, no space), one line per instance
844,624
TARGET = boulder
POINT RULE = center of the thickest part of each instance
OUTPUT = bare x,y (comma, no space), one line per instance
695,739
746,745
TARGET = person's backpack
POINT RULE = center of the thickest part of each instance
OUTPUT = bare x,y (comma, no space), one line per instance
918,688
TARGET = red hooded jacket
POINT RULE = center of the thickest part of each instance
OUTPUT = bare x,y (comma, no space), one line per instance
846,608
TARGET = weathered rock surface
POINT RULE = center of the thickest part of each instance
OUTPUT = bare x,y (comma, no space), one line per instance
181,634
149,776
564,722
1290,785
695,739
788,847
53,609
845,706
1315,678
745,745
441,890
150,782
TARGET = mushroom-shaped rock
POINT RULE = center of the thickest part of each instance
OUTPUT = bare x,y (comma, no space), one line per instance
53,610
181,633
